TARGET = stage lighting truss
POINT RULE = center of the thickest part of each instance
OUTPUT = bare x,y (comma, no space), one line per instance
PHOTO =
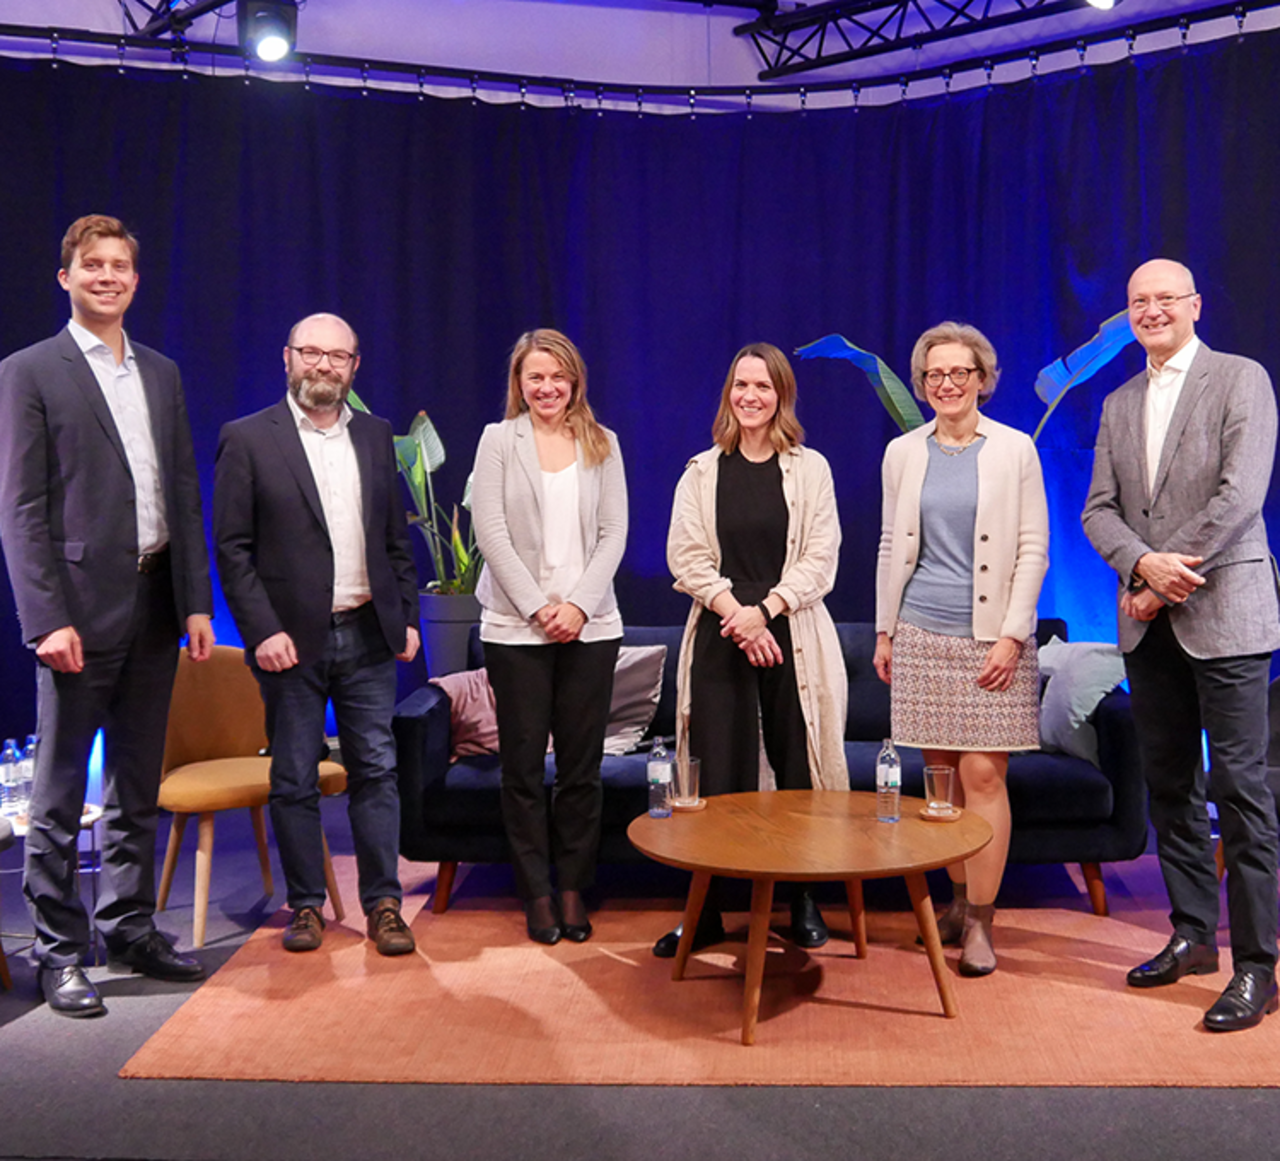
820,35
267,29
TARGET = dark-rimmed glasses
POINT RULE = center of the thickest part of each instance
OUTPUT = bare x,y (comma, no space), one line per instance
311,356
958,375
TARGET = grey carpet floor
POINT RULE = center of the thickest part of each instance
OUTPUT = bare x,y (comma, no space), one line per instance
60,1097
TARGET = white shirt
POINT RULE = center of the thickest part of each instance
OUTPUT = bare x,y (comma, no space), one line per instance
1163,389
121,385
332,457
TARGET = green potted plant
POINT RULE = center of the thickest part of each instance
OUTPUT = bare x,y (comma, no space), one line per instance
448,604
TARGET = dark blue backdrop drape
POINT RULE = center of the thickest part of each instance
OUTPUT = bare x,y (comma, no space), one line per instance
442,229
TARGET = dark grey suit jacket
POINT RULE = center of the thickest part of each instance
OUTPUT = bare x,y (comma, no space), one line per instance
67,503
1210,486
275,559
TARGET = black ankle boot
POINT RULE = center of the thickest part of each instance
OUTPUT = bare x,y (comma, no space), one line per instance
710,931
808,929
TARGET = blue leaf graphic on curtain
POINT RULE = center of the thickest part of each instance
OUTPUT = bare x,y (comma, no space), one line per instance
1055,380
897,400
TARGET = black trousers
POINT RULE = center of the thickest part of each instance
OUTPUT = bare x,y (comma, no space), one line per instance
732,701
124,692
563,690
1174,695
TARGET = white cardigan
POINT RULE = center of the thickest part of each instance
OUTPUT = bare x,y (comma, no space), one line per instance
1010,538
808,574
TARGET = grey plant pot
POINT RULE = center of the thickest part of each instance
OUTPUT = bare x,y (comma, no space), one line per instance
446,623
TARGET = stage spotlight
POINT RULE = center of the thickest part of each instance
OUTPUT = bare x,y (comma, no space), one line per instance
1103,4
267,28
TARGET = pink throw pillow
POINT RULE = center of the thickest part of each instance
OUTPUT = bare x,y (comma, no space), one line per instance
473,716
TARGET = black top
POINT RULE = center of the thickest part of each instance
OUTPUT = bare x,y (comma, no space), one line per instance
751,525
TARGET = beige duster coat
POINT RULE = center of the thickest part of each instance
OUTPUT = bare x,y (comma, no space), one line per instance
808,574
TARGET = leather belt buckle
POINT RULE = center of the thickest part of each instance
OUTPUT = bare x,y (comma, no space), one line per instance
151,562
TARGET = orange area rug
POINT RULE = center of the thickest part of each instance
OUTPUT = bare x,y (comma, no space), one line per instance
480,1004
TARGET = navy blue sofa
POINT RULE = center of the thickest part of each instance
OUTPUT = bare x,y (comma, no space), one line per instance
1065,810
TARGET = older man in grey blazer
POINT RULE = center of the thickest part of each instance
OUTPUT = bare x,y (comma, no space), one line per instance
1181,470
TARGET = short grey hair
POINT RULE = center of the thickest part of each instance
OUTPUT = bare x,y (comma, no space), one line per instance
984,355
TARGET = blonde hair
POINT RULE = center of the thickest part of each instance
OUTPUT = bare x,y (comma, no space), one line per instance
984,354
579,416
785,431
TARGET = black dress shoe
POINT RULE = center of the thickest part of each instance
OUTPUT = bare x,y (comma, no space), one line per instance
68,992
808,928
541,922
1179,958
577,932
571,904
153,955
1249,996
710,931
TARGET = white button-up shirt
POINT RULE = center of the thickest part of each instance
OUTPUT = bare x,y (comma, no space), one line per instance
1163,389
332,457
121,385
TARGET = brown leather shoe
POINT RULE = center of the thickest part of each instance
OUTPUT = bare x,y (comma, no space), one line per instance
305,931
389,932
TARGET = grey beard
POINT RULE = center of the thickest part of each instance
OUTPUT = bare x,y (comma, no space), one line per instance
317,393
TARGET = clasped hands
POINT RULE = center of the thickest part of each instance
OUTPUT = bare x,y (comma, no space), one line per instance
1171,578
746,625
561,622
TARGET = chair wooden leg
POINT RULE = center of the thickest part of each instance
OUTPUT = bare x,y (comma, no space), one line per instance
1220,861
204,869
331,882
177,828
1097,888
264,855
445,876
6,980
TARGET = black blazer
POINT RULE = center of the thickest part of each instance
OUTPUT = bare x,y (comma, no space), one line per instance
274,555
67,502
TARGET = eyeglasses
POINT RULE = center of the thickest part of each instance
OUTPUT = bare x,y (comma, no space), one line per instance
958,375
312,355
1163,301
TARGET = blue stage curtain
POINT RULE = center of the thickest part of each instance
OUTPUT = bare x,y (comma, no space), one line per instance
661,244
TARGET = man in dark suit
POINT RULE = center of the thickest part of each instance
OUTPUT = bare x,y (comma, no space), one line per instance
1181,469
314,556
104,541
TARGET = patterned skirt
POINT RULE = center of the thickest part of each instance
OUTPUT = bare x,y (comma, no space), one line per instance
938,705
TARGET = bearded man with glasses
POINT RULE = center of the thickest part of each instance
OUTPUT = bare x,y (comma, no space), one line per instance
1180,474
313,553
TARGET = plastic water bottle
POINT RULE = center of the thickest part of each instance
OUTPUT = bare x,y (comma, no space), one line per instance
659,776
888,784
27,774
9,778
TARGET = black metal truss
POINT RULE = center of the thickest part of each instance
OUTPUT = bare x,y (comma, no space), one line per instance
822,35
167,16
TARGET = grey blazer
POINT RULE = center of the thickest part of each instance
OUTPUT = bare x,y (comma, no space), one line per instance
1210,486
506,505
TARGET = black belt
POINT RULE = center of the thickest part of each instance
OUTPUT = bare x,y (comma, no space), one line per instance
346,616
150,562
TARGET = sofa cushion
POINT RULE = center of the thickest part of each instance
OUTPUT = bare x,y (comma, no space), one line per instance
637,684
473,716
1080,676
868,718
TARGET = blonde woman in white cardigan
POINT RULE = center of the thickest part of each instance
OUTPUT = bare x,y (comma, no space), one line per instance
963,551
754,540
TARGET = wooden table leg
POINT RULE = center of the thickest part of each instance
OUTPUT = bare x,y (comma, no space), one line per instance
858,916
692,913
922,904
757,942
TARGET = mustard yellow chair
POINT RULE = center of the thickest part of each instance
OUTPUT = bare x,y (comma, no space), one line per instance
212,763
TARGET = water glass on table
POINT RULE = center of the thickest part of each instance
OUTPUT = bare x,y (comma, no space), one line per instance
939,788
688,778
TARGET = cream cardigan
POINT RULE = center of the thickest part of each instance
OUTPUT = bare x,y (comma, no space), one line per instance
1011,531
808,574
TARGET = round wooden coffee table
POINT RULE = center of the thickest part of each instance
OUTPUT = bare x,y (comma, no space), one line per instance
807,835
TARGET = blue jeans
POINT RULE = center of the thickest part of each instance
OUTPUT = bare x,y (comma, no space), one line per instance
358,673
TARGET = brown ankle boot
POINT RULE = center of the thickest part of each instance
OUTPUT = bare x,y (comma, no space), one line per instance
978,957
